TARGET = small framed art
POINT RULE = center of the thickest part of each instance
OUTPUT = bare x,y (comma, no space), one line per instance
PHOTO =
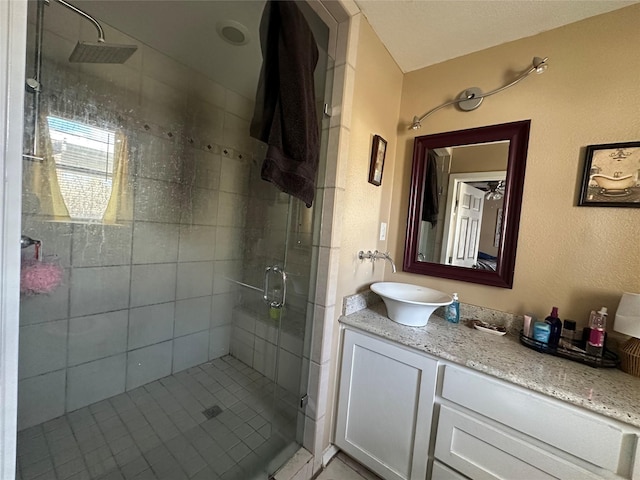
611,175
378,152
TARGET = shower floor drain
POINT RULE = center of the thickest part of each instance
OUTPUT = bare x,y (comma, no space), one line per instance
212,412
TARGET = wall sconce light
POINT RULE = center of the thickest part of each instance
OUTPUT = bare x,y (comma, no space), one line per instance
472,97
628,322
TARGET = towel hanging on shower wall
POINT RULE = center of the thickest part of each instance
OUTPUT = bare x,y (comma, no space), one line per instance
285,113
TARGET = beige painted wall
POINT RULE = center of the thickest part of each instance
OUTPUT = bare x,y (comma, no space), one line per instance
376,107
576,258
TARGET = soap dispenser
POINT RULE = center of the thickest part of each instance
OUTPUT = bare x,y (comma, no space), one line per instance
452,313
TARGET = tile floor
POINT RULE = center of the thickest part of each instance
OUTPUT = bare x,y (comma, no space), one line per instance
342,467
158,431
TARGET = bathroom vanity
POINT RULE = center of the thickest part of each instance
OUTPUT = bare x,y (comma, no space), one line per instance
448,402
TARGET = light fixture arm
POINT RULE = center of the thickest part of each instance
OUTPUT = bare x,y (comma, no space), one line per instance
473,96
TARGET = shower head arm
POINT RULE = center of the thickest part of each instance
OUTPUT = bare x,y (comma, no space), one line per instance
87,16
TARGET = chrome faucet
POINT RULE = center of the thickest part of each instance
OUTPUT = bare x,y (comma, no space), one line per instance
375,255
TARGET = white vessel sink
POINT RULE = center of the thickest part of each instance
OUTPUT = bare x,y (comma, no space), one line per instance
410,304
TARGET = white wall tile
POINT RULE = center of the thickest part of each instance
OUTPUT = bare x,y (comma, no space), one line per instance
267,330
205,120
158,201
219,341
192,315
43,348
99,289
206,170
101,245
242,351
151,284
44,308
55,238
224,274
147,364
222,308
97,336
40,398
236,132
190,350
94,381
159,158
199,206
322,336
234,177
206,90
155,242
195,279
289,367
239,105
244,319
264,358
229,243
197,243
232,209
150,324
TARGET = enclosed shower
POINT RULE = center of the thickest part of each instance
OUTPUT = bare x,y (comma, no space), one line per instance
175,342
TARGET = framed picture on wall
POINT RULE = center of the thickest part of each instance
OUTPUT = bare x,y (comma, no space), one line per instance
378,152
611,176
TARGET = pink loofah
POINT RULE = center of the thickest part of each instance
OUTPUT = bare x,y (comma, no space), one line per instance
39,277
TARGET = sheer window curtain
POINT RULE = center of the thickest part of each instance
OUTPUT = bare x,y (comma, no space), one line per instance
120,206
44,178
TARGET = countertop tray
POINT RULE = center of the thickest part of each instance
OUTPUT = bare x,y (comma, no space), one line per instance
608,359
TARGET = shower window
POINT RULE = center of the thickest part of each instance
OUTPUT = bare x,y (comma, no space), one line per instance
84,158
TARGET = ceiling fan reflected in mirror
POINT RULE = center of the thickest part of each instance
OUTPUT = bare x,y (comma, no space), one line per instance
496,190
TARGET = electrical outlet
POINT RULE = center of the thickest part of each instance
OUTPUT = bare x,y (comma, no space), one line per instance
383,231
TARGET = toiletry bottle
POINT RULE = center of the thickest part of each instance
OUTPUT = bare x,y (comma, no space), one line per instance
556,327
527,326
541,331
597,324
568,336
452,313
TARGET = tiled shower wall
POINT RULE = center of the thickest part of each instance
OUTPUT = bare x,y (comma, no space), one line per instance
150,295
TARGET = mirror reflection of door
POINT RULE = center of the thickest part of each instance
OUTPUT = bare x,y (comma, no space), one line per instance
468,222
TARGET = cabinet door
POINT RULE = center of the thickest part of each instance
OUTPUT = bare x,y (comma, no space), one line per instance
385,406
484,452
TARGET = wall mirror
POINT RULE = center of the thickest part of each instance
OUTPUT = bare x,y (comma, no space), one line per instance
464,204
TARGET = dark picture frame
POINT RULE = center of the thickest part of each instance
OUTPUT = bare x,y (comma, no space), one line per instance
378,154
611,176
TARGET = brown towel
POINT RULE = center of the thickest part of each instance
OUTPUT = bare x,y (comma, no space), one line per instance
285,113
430,200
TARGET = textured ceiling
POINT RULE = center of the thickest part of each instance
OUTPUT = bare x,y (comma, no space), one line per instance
419,33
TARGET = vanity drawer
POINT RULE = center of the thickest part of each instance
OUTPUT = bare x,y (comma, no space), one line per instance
442,472
581,434
481,451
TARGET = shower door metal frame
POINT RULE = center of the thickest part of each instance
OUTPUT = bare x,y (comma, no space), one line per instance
13,33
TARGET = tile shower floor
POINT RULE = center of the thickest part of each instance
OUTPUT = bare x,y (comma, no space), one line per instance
158,431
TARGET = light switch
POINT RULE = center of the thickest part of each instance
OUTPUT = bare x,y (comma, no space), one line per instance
383,231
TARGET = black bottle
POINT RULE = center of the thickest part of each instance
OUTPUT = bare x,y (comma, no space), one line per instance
556,327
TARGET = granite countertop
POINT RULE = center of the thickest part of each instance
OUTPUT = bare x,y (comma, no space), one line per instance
607,391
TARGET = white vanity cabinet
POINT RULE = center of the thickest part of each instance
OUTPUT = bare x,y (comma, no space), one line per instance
385,406
408,416
488,429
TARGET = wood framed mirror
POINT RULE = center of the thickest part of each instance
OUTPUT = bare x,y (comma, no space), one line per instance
464,204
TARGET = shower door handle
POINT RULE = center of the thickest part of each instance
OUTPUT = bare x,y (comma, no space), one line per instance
273,302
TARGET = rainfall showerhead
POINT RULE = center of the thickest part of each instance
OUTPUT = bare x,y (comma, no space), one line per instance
101,52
